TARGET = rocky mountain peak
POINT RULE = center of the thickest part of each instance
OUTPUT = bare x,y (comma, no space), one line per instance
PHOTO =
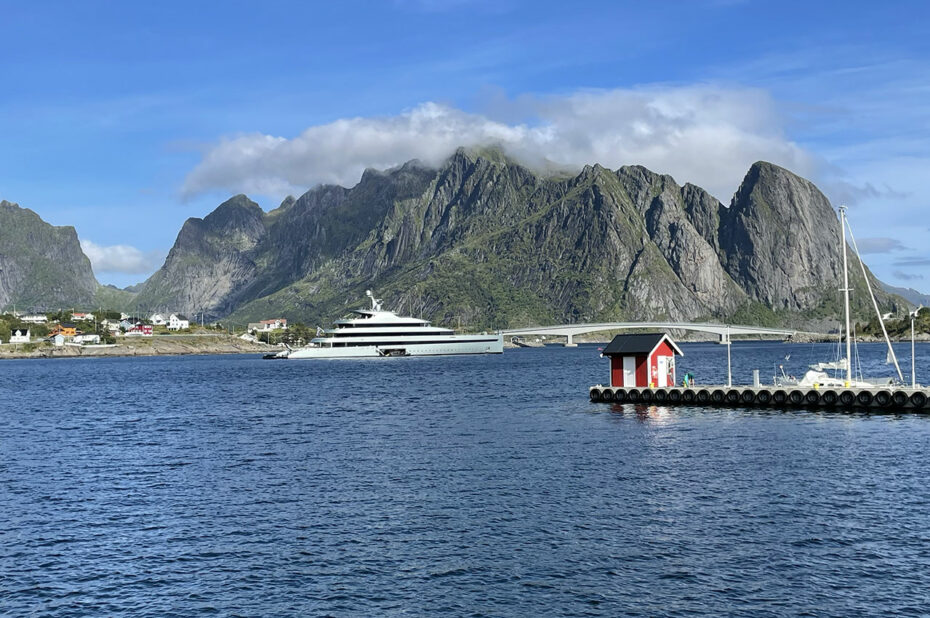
41,265
485,239
236,217
778,239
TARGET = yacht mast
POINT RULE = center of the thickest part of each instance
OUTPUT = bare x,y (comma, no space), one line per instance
846,296
878,313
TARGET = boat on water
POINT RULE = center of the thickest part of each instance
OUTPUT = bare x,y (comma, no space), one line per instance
817,373
375,332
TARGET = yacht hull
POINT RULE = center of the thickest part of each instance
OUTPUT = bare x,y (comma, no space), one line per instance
464,345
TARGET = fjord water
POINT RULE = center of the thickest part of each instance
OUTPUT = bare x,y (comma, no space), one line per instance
484,485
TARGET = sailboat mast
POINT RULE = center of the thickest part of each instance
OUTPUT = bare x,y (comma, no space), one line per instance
846,296
878,314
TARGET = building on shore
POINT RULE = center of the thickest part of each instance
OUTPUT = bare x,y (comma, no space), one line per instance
176,321
20,335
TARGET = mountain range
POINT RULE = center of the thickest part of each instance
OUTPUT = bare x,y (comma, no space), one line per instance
484,242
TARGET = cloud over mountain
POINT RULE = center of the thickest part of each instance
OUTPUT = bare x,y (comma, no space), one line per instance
121,258
707,135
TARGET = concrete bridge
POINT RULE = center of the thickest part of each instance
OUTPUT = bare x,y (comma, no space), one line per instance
724,331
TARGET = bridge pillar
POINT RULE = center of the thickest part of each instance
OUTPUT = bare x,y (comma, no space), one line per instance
569,343
724,338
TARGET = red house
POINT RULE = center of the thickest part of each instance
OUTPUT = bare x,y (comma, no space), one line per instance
140,330
642,360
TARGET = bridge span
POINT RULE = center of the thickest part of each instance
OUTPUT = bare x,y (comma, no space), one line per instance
724,331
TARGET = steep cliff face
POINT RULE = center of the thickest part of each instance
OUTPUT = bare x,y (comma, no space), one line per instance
483,241
780,241
601,243
211,262
41,266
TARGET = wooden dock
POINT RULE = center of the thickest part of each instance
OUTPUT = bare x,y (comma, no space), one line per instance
884,398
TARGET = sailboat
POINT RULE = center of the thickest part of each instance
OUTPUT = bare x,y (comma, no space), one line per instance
817,375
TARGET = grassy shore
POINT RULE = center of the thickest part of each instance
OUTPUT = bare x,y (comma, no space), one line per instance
141,346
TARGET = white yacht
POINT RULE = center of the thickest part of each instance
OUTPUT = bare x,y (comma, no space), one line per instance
376,332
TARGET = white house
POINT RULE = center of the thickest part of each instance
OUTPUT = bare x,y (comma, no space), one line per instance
158,319
87,339
20,335
87,317
58,340
178,322
34,319
111,325
266,326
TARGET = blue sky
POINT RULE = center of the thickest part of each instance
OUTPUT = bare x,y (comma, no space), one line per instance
124,119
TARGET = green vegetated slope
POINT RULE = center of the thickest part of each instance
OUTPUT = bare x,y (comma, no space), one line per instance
113,298
483,242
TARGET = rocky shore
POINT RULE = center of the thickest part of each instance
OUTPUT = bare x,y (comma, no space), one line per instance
173,345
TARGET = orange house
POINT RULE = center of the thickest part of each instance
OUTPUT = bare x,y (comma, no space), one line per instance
68,330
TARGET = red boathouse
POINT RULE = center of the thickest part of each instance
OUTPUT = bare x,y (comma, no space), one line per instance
642,360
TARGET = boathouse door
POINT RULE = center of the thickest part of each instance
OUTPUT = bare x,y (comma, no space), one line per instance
629,371
663,371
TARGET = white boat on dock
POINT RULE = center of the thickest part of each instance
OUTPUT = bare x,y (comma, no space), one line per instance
817,375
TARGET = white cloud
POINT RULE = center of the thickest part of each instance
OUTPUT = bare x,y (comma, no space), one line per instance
708,135
903,276
879,245
121,258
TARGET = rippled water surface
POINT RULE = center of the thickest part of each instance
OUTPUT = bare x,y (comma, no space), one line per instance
448,486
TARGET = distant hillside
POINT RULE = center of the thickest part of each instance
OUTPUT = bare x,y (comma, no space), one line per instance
909,294
484,242
111,297
41,266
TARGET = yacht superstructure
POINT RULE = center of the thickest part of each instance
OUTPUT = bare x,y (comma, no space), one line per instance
376,332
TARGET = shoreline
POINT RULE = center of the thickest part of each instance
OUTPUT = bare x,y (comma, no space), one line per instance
175,345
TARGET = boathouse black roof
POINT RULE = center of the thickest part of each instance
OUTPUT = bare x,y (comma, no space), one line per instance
628,345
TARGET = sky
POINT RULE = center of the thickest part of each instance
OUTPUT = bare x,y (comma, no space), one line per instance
124,119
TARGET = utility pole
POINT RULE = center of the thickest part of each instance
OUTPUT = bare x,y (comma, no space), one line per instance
729,371
913,362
